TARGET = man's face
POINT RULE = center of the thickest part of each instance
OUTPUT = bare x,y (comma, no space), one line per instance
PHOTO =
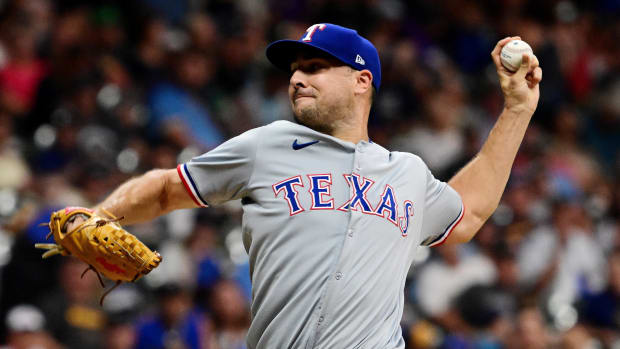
320,91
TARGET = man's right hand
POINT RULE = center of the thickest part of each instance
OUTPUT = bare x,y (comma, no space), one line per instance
521,90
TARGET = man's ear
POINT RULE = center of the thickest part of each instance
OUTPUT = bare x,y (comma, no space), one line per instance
363,82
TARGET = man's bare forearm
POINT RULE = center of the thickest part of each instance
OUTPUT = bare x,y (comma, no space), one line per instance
137,200
482,181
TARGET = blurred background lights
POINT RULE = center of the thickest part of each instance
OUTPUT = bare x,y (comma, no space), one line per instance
45,136
109,96
565,317
26,318
8,201
127,160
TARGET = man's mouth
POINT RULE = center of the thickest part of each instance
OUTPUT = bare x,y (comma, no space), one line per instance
301,95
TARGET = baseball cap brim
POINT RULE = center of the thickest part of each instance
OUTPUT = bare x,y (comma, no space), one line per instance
283,52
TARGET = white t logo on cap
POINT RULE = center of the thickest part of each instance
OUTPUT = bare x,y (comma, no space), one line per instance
310,31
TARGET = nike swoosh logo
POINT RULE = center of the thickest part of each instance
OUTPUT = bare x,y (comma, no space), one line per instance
298,146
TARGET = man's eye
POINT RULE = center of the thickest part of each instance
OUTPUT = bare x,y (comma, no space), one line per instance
315,67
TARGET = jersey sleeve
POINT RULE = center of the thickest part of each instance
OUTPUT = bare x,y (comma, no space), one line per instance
443,211
223,173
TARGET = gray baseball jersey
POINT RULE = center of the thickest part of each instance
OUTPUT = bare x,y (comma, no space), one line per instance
331,229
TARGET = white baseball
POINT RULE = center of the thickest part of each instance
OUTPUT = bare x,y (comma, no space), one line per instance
512,53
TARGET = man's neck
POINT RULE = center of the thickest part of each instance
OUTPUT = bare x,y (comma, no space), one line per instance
353,135
352,129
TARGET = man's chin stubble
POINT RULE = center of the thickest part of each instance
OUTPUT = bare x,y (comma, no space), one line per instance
311,118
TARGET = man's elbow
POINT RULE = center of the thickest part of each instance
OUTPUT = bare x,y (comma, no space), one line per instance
459,236
157,181
465,231
173,195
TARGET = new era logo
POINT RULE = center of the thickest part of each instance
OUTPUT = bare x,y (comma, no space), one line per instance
360,60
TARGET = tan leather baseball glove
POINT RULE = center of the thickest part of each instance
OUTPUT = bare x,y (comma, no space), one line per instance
102,244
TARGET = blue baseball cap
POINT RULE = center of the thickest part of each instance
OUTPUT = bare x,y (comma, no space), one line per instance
342,43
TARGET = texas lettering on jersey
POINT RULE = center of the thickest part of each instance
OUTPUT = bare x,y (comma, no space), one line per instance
319,189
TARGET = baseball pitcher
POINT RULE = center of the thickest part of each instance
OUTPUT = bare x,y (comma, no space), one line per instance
331,220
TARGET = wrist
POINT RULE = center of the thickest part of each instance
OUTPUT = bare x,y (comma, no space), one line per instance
518,110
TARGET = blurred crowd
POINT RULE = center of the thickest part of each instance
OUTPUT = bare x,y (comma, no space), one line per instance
93,93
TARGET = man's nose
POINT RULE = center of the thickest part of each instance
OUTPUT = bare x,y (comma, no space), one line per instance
298,79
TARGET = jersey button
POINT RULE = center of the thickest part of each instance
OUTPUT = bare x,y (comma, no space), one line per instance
338,275
321,318
351,233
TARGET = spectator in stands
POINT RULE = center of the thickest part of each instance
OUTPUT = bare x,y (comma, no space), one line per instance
26,327
176,325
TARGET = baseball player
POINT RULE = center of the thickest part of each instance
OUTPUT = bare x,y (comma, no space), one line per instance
332,221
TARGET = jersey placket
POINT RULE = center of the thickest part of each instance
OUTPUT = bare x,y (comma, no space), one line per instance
338,275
